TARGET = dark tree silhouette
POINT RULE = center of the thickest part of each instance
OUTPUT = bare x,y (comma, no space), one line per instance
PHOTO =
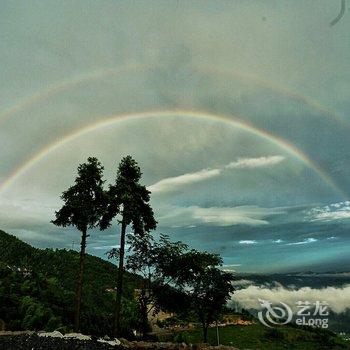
146,258
83,208
128,198
209,293
205,287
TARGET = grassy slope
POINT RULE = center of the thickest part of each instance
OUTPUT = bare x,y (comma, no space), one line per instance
257,336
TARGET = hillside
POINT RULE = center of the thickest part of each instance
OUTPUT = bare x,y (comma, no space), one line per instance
37,288
37,293
256,336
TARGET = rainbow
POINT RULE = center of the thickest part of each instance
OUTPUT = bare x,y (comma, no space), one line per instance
65,85
283,90
111,120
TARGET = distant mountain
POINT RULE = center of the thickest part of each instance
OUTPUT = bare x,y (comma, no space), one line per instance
37,286
298,280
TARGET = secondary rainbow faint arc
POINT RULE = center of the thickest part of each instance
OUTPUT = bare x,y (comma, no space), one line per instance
314,104
234,121
65,85
98,74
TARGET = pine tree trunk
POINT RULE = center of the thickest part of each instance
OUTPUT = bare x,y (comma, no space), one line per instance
118,300
80,282
205,333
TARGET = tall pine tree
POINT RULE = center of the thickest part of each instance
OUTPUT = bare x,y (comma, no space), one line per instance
83,207
130,200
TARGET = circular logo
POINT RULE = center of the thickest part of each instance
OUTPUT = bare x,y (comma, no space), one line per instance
271,315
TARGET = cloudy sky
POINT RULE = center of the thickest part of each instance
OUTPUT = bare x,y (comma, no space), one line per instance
237,112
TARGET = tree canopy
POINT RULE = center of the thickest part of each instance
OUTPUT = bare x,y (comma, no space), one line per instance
84,201
130,199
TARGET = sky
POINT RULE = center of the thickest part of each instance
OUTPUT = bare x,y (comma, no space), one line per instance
236,111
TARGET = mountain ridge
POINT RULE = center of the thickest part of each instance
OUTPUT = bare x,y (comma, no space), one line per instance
38,285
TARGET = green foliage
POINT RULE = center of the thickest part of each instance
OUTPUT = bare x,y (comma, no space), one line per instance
147,258
24,301
274,334
8,251
257,336
84,201
40,294
198,285
130,199
179,280
130,317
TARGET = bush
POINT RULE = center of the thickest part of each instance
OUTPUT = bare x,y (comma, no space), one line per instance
274,334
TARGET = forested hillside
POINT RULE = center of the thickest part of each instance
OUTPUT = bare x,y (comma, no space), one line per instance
37,289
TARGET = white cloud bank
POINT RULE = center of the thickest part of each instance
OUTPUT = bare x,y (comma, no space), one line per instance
217,216
242,283
248,242
305,241
337,298
230,267
332,212
172,183
252,163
